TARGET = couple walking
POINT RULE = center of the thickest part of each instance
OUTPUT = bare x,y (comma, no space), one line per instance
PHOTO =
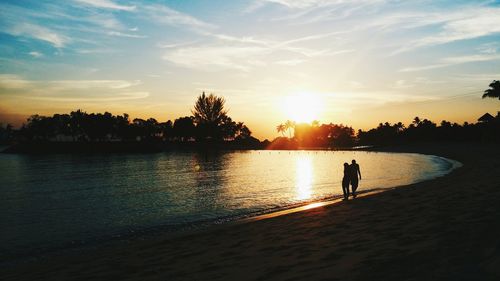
351,173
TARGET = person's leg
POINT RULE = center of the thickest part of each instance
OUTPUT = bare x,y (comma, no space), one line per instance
345,189
354,184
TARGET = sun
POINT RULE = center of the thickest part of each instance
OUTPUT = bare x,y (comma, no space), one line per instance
303,107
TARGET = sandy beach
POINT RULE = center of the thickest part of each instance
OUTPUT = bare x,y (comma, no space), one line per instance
443,229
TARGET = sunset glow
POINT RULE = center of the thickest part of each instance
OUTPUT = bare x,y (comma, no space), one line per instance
304,176
351,62
303,108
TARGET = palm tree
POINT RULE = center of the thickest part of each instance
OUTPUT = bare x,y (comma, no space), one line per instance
416,121
400,127
493,91
281,129
289,125
242,131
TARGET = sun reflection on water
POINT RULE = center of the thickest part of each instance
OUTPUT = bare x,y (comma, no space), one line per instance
304,178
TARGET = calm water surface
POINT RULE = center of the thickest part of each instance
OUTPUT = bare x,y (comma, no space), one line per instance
49,201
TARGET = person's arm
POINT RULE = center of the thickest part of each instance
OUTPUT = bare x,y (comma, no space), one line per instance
359,172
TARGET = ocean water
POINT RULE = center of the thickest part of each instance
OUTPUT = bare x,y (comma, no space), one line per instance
52,201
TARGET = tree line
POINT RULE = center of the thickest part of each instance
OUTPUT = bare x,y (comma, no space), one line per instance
339,135
487,129
313,135
426,130
209,123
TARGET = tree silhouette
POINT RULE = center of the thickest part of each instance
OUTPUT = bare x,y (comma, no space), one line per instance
166,130
209,109
493,91
6,133
242,131
314,135
281,129
289,125
184,128
77,118
209,116
227,130
416,121
210,122
122,127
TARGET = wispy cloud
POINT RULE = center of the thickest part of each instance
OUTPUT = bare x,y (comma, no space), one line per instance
245,52
127,35
87,84
35,54
375,98
468,23
304,4
471,58
119,96
96,51
488,48
455,23
450,61
486,77
296,3
165,15
38,32
313,37
13,81
63,24
107,4
215,57
290,62
402,84
105,20
175,45
71,90
424,67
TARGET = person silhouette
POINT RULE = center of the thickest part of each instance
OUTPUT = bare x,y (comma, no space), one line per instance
345,181
354,172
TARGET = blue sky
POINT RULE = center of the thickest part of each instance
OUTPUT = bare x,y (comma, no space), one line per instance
361,61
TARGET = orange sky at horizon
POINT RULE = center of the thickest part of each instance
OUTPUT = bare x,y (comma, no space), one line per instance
357,63
263,125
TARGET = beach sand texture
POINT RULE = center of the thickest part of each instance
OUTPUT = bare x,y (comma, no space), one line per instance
444,229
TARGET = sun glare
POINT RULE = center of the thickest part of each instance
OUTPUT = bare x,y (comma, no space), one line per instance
303,107
304,178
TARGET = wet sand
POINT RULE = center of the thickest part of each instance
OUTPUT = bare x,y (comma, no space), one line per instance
444,229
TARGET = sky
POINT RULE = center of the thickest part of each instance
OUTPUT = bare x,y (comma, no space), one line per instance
358,62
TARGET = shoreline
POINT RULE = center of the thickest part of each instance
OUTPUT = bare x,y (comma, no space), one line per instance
290,228
285,210
178,230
